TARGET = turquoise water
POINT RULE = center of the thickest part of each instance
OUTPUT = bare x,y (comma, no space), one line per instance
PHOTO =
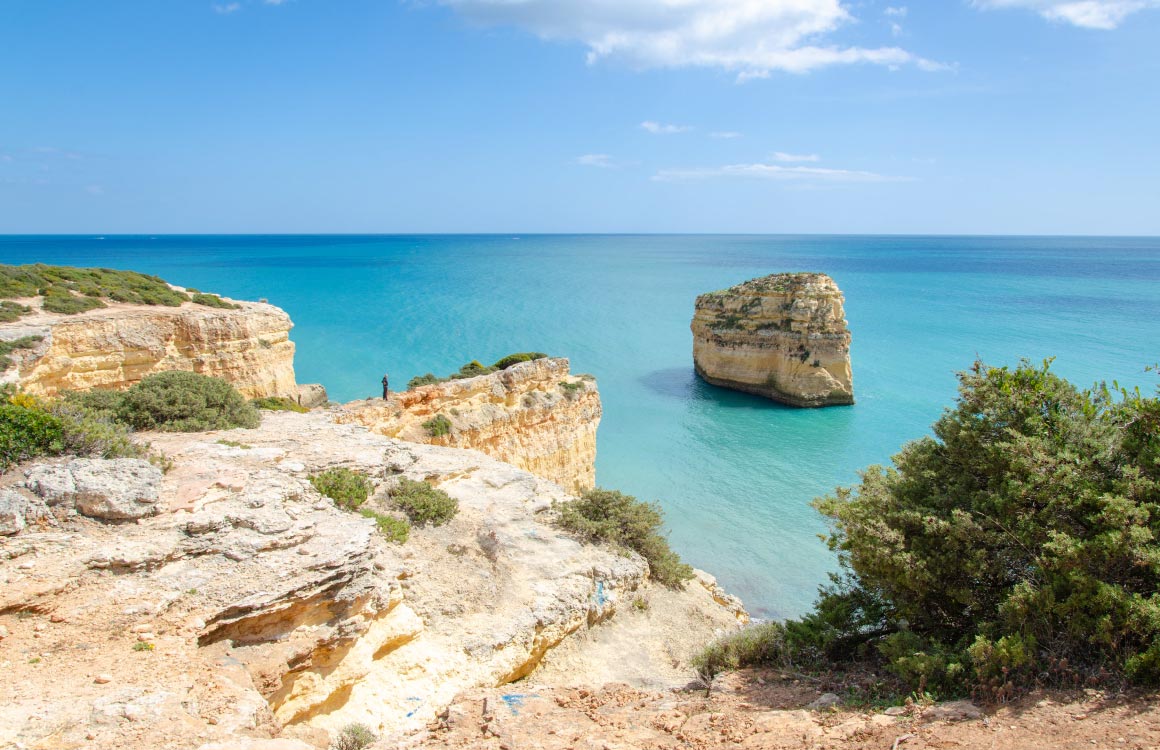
734,473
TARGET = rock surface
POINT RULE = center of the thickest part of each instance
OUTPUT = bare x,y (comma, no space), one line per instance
122,489
535,415
782,336
250,607
116,346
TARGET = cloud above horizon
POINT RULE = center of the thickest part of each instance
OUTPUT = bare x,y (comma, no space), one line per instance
778,172
1104,15
660,128
751,38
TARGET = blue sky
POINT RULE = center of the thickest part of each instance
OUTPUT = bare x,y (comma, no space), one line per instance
940,116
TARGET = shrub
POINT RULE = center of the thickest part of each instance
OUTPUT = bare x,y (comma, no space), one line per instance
438,426
515,359
7,347
612,517
65,302
179,401
354,737
58,283
212,300
10,311
472,369
278,403
421,380
394,529
27,432
94,432
763,644
346,487
424,504
572,390
1017,545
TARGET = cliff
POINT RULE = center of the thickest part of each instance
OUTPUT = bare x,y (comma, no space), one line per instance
782,336
534,415
115,346
226,601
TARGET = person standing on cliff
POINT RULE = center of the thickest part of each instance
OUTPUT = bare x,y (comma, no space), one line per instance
386,388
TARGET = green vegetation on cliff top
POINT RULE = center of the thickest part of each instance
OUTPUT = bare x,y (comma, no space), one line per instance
68,290
475,368
1018,546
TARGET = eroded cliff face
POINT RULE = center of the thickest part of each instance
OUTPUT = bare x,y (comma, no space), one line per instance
782,336
117,346
535,415
270,612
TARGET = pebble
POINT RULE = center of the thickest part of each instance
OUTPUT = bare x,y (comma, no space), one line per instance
103,679
56,618
3,632
40,627
25,566
145,637
895,711
142,627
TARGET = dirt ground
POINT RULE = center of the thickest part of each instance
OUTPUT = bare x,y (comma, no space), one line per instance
767,710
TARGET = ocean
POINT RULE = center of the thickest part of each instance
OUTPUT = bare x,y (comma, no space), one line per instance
735,474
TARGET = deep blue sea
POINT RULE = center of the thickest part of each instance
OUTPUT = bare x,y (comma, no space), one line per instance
734,473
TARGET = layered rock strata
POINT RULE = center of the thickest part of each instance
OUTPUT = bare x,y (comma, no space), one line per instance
240,605
116,346
535,415
782,336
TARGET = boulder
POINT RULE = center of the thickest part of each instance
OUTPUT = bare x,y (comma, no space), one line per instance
311,395
13,507
121,489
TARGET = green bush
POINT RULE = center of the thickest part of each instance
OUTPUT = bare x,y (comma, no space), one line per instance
179,401
424,504
27,432
94,432
212,300
421,380
66,303
11,311
1018,545
438,426
612,517
394,529
763,644
57,283
7,347
346,487
354,737
472,369
515,359
278,403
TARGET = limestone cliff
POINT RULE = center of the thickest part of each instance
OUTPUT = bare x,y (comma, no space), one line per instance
782,336
535,415
115,346
241,605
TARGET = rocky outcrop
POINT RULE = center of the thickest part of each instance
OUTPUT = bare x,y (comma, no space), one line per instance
249,607
535,415
782,336
115,346
122,489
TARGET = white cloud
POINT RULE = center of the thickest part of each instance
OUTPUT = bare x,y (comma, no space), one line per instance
725,134
749,37
660,128
774,172
896,12
784,157
603,161
227,8
1087,14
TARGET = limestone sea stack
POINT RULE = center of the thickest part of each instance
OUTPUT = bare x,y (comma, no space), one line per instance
781,336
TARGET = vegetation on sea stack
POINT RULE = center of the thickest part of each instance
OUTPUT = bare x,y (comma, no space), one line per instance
1017,546
475,368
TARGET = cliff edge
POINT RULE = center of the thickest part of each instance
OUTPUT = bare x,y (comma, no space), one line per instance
782,336
535,415
113,347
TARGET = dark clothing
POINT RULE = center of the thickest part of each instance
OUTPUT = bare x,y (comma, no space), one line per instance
386,388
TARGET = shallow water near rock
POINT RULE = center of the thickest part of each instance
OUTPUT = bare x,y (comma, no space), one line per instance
734,473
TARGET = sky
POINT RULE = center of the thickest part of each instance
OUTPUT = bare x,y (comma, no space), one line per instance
433,116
